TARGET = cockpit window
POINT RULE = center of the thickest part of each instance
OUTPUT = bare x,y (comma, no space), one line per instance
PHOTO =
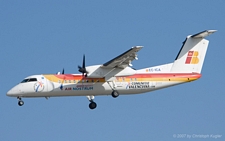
29,80
25,80
32,79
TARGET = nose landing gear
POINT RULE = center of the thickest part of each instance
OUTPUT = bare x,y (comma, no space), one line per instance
92,104
20,101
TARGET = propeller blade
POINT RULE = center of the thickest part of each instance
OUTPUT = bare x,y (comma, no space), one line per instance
63,71
83,61
80,69
83,68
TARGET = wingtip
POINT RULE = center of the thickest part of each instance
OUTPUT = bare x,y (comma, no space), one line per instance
137,46
211,31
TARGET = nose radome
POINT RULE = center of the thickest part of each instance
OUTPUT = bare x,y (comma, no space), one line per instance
9,93
12,91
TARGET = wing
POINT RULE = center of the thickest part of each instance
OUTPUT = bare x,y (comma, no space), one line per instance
123,60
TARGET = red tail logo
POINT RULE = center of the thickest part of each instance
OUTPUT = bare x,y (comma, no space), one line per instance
192,57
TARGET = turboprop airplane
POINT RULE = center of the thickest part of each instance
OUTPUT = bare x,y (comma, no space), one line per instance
116,77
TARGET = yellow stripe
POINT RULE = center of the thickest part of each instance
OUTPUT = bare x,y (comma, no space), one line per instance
56,79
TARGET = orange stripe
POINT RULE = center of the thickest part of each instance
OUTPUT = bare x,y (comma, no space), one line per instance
165,75
138,77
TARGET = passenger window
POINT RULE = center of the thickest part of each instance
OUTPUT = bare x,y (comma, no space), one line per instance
59,81
69,81
87,81
74,81
65,81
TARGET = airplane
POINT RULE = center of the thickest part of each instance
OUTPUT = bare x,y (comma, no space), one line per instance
117,77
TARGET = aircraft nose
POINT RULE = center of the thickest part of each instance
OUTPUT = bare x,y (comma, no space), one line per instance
9,93
13,91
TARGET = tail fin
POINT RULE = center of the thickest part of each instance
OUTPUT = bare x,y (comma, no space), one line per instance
192,54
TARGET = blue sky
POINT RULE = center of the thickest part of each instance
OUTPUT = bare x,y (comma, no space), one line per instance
42,37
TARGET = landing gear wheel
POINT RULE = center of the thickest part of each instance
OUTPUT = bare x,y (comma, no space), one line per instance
92,105
115,94
20,103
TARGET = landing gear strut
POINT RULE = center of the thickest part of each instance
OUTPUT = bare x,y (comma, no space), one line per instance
92,104
20,101
113,86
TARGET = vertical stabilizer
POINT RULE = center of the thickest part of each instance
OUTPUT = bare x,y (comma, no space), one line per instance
192,54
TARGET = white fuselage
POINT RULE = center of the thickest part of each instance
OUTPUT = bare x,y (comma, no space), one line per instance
78,85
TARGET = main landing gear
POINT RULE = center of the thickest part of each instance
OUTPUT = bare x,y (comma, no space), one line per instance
92,104
20,101
115,94
113,86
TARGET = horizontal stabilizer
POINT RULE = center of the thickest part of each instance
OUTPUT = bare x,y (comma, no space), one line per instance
203,34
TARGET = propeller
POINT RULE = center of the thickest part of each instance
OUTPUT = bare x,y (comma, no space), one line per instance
61,73
83,68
